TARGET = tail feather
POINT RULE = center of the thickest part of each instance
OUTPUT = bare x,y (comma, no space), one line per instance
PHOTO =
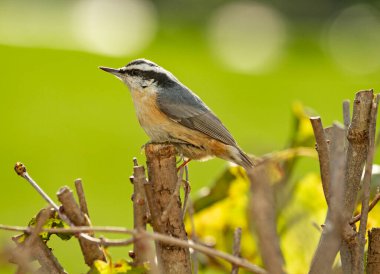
239,157
245,161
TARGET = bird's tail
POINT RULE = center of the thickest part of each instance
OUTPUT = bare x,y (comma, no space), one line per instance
239,157
244,160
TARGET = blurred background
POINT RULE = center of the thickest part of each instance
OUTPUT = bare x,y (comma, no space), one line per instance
250,61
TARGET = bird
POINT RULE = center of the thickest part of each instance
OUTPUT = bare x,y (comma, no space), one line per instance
169,112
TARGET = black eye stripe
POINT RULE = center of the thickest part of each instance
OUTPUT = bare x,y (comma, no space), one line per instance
134,72
158,77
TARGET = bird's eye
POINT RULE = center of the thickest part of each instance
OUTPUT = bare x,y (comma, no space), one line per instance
133,72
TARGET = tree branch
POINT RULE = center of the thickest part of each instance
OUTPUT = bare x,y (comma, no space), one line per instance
375,200
367,185
323,154
357,137
33,248
346,113
373,256
91,252
236,249
151,235
142,251
162,174
331,236
263,218
81,196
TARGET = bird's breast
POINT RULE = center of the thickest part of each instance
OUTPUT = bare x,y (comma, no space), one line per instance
152,120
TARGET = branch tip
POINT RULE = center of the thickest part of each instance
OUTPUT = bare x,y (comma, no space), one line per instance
20,168
135,163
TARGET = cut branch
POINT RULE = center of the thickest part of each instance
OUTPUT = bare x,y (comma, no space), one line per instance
346,113
331,237
162,173
323,154
90,250
367,185
373,257
142,251
357,137
81,196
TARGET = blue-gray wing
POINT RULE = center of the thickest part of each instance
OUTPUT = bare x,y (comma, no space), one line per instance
186,108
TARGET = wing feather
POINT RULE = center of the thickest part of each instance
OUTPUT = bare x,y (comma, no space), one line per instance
186,108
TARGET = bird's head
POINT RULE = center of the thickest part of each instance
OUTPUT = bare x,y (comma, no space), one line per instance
141,74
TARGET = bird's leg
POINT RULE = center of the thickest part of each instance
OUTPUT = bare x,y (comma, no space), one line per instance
184,164
187,189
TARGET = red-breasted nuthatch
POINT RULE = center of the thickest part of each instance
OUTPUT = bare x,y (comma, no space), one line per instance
170,112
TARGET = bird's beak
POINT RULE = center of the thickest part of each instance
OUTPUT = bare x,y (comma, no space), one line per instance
116,72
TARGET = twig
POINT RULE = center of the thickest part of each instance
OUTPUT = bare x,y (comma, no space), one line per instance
194,237
236,249
346,113
142,251
323,154
21,170
102,241
81,196
366,186
187,190
285,155
263,218
375,200
151,235
90,252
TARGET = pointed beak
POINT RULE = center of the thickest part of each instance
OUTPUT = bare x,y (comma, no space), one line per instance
116,72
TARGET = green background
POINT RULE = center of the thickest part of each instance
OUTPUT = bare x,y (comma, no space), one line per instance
66,119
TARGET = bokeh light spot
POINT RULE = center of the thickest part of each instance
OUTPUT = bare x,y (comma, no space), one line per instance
115,27
353,39
247,36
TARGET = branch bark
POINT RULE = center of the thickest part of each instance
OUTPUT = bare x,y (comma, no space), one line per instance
357,137
367,186
373,256
236,249
81,196
33,248
162,174
141,249
323,154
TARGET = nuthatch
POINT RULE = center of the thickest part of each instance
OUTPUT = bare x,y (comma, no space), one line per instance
170,112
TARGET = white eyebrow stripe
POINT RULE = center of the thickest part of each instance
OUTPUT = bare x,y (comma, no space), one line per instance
143,67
